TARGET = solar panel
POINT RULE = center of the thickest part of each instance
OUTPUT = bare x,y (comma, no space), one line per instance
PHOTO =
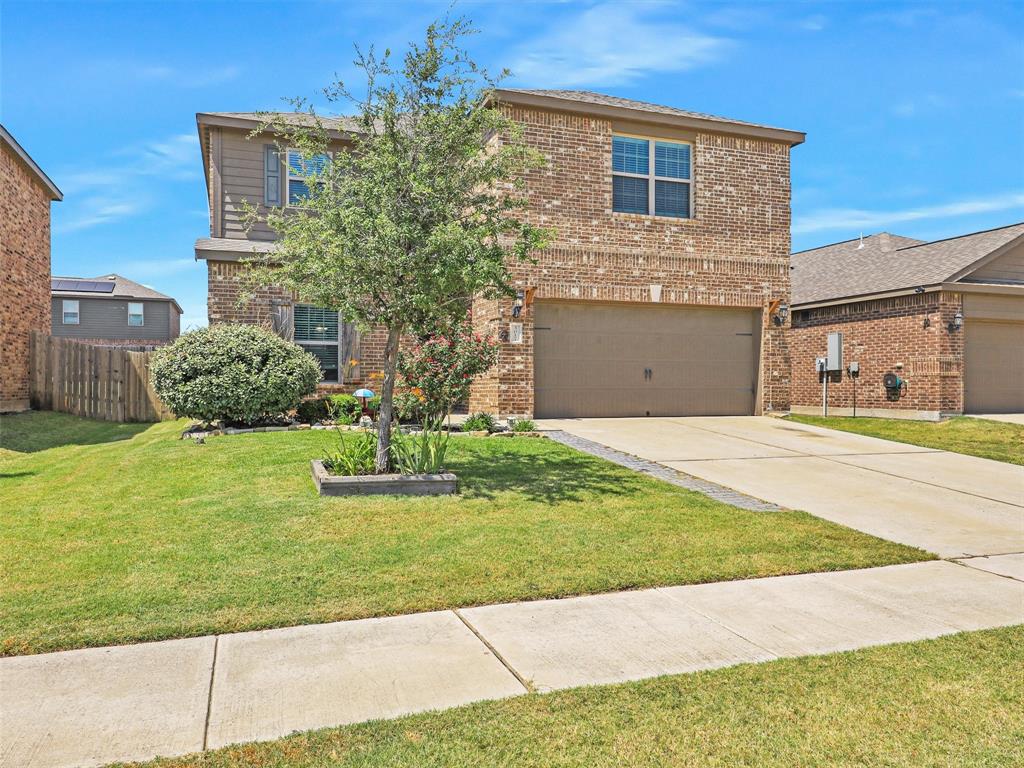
85,286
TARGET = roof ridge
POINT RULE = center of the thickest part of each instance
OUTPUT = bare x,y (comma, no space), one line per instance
852,239
959,237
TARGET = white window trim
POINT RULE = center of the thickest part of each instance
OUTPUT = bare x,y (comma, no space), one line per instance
64,311
141,313
652,178
288,176
324,343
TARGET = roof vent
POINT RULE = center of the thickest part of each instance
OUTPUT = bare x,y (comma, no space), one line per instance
861,243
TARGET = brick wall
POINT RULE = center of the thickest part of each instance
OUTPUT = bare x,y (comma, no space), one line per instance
232,298
905,335
733,253
24,274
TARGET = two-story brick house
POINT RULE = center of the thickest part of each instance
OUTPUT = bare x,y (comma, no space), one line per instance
658,296
25,196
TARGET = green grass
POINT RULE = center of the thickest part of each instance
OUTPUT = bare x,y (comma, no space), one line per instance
155,537
954,701
975,437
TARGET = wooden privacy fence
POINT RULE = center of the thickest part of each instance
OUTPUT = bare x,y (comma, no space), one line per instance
96,382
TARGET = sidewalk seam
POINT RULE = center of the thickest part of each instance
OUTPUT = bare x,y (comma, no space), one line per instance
522,681
774,654
209,695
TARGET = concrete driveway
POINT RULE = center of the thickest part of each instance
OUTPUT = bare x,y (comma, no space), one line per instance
946,503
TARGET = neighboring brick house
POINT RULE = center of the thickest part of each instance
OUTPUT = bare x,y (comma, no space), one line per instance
945,317
656,297
113,311
25,196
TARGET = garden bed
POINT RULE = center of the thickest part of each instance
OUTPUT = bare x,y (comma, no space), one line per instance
391,484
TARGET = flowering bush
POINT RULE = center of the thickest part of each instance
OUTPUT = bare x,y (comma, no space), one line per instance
439,369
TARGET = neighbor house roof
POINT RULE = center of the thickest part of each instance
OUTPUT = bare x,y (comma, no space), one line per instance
105,287
886,262
10,141
615,106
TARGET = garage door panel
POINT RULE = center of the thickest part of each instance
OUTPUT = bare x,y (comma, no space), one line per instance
993,367
589,360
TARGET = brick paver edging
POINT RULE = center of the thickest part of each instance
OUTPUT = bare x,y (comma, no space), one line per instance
669,475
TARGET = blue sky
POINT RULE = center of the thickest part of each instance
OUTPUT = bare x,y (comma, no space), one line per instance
914,112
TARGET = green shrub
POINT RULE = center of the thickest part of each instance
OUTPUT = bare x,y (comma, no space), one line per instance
344,409
523,425
479,422
233,373
313,410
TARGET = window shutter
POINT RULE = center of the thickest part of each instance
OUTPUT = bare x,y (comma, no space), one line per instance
271,175
281,319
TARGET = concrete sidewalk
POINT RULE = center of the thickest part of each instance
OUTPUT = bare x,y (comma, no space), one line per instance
94,706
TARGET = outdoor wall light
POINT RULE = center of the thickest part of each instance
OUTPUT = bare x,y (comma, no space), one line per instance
779,312
957,323
517,305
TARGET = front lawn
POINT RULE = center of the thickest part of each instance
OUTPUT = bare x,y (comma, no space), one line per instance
975,437
955,701
155,537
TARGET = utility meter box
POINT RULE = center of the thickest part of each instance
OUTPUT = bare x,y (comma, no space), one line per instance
834,359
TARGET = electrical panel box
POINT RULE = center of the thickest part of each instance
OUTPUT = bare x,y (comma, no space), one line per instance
834,359
819,364
853,369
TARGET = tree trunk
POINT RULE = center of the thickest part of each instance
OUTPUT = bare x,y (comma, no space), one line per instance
386,415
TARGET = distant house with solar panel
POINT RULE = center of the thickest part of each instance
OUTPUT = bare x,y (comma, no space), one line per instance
112,310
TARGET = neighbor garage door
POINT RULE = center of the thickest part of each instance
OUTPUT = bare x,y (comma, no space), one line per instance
994,367
629,360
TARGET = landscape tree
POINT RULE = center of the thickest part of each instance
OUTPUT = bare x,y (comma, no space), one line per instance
420,211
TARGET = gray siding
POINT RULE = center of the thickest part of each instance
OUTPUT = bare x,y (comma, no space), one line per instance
108,319
242,178
1008,268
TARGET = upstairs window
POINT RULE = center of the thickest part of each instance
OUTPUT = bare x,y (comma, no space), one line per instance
300,169
651,176
136,315
317,331
69,308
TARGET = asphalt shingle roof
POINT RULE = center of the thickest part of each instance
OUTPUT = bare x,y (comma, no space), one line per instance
887,262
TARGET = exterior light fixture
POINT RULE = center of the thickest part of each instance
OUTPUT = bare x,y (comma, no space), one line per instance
517,305
780,312
957,322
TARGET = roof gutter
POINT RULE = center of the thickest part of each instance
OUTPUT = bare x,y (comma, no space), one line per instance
869,296
792,138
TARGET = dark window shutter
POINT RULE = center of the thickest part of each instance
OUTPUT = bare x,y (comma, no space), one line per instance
271,175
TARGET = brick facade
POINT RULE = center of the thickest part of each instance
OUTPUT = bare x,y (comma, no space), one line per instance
906,335
231,298
24,273
734,252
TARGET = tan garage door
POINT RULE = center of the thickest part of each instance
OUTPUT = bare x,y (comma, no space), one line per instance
606,360
994,367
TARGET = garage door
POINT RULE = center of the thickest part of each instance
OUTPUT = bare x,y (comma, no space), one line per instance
606,360
994,367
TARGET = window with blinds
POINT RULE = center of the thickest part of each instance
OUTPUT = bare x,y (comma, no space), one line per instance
300,169
317,330
650,175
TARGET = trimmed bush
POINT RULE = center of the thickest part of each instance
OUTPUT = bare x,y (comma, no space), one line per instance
479,422
233,373
524,425
313,410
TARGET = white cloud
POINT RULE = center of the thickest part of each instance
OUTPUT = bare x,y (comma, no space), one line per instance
121,184
857,219
612,44
814,23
